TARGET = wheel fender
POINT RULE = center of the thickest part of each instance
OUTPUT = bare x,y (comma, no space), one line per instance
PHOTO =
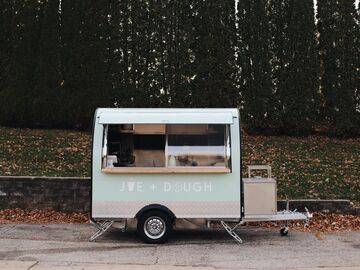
155,207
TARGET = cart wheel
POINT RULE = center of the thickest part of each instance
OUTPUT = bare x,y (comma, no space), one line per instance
154,227
284,231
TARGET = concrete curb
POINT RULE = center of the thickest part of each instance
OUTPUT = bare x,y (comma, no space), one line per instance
35,265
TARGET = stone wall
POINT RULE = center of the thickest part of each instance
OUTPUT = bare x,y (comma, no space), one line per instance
53,193
72,194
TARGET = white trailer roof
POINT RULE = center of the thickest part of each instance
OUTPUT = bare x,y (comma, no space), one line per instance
166,116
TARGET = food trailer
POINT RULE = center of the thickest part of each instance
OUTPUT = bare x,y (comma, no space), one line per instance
161,166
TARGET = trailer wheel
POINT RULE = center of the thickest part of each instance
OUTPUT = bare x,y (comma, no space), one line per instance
284,231
154,227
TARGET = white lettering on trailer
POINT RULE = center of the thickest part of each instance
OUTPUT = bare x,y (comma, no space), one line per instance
197,187
207,187
187,187
167,186
140,186
131,186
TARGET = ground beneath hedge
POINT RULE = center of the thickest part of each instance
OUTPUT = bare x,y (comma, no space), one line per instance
311,168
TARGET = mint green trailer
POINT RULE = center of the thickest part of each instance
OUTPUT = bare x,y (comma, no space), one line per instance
160,165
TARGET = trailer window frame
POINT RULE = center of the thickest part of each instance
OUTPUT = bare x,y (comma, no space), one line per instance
171,168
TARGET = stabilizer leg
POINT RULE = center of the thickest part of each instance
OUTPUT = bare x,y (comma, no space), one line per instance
232,232
102,228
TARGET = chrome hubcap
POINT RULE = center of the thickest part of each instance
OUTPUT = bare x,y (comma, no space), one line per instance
154,227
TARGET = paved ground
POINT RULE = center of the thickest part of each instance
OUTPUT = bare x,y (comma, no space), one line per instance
65,246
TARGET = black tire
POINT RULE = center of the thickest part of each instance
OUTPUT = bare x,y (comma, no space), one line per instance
154,227
284,232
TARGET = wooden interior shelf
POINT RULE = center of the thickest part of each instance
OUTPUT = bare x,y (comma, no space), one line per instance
166,170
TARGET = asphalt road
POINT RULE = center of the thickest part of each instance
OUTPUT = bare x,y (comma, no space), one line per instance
66,246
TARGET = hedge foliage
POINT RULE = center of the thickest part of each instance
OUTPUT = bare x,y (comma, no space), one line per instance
290,70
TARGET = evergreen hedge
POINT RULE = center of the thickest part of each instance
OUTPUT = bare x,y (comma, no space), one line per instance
289,70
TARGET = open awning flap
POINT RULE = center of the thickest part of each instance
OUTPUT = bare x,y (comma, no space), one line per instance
166,118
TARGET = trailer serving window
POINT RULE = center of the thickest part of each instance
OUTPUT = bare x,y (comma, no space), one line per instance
166,148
